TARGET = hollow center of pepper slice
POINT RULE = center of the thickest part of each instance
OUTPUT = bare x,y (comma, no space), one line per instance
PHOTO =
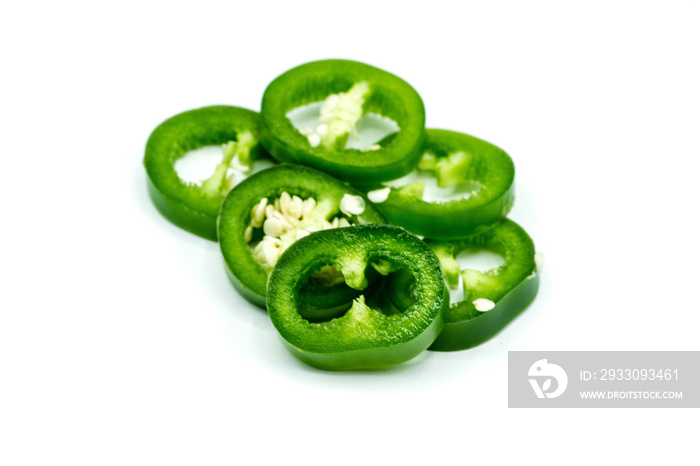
439,179
374,299
339,122
217,169
468,271
475,263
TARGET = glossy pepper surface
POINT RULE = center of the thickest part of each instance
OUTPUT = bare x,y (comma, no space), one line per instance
474,178
510,288
347,90
267,212
362,338
193,206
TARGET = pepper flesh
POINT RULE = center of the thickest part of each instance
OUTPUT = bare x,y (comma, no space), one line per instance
248,275
385,94
512,286
190,206
362,338
455,160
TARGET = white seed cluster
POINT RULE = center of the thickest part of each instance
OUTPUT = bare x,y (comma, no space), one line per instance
283,222
312,135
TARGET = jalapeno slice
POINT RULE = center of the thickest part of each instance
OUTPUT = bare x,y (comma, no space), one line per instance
493,298
195,206
362,338
267,212
474,188
347,90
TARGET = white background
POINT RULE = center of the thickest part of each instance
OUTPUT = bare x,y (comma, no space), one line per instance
121,340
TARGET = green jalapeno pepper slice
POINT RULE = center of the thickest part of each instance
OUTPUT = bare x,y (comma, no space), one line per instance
192,206
475,178
348,90
268,211
492,299
362,338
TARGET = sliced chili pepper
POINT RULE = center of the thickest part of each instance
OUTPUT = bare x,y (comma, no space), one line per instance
362,338
501,293
348,89
191,206
268,211
477,175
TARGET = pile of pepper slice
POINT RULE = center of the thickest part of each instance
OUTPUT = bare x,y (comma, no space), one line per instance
310,239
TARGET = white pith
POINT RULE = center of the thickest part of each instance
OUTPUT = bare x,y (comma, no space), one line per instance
286,220
432,192
314,121
341,112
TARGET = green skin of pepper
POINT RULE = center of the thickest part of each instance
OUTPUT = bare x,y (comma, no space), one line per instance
246,274
366,340
389,96
488,165
473,332
186,204
516,286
